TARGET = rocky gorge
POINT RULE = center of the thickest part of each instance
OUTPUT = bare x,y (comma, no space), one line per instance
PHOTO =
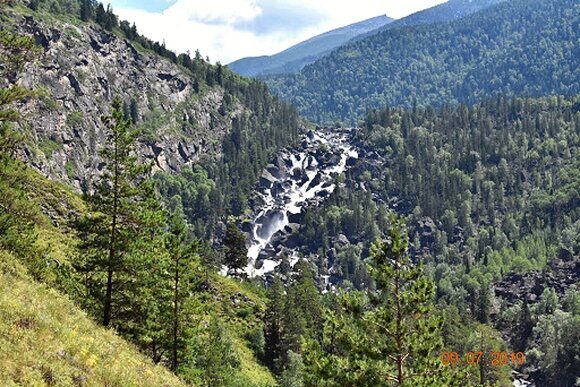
297,178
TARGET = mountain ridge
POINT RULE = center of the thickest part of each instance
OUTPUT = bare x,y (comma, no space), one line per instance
296,57
496,50
280,63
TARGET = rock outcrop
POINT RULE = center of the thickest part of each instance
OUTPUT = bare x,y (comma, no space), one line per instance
81,68
560,274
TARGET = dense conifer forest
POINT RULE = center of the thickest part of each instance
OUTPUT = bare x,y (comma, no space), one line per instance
487,190
514,48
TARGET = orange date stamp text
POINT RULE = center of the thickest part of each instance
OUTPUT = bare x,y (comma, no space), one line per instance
495,359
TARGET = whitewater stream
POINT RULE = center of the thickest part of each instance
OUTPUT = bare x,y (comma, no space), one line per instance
299,178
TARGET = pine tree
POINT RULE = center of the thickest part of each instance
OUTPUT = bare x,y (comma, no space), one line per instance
211,358
119,199
86,10
293,374
185,276
405,314
392,336
236,258
304,299
273,322
17,216
484,304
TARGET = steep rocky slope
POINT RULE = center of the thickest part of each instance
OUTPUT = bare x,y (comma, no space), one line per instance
81,68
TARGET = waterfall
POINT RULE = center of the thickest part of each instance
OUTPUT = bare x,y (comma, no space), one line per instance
300,178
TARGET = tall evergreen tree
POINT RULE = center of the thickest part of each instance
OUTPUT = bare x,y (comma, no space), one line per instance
405,316
86,10
303,310
390,337
118,200
273,325
16,214
236,258
185,274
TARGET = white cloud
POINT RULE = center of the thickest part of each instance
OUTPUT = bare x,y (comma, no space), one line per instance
223,12
222,29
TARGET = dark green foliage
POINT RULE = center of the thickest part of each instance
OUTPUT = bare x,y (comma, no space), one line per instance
211,358
18,214
273,323
212,192
185,273
16,50
121,241
517,47
499,180
86,10
265,126
548,333
389,337
294,314
293,376
236,255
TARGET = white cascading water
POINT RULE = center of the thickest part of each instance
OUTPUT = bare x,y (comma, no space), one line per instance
272,216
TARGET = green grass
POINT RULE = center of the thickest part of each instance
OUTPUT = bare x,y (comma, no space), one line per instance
48,146
46,340
242,317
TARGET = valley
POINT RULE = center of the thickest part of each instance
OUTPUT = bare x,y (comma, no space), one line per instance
342,213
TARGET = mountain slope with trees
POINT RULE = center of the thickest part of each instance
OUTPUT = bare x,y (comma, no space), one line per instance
455,229
195,120
513,48
296,57
117,251
490,195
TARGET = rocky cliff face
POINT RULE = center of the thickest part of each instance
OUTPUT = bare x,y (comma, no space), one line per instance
81,68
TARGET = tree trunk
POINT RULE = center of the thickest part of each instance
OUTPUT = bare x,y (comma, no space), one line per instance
175,315
110,268
400,356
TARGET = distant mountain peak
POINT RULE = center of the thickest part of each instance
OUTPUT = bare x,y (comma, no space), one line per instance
296,57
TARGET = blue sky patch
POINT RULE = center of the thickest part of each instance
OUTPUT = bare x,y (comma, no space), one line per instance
147,5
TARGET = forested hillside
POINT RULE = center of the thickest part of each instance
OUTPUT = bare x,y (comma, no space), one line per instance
72,82
437,245
490,193
513,48
295,58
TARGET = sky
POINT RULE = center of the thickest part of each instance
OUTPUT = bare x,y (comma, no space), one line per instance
227,30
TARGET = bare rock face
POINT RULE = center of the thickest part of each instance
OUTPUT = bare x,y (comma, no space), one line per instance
561,273
81,69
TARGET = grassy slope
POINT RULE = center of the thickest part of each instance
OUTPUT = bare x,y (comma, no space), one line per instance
46,340
35,286
241,318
